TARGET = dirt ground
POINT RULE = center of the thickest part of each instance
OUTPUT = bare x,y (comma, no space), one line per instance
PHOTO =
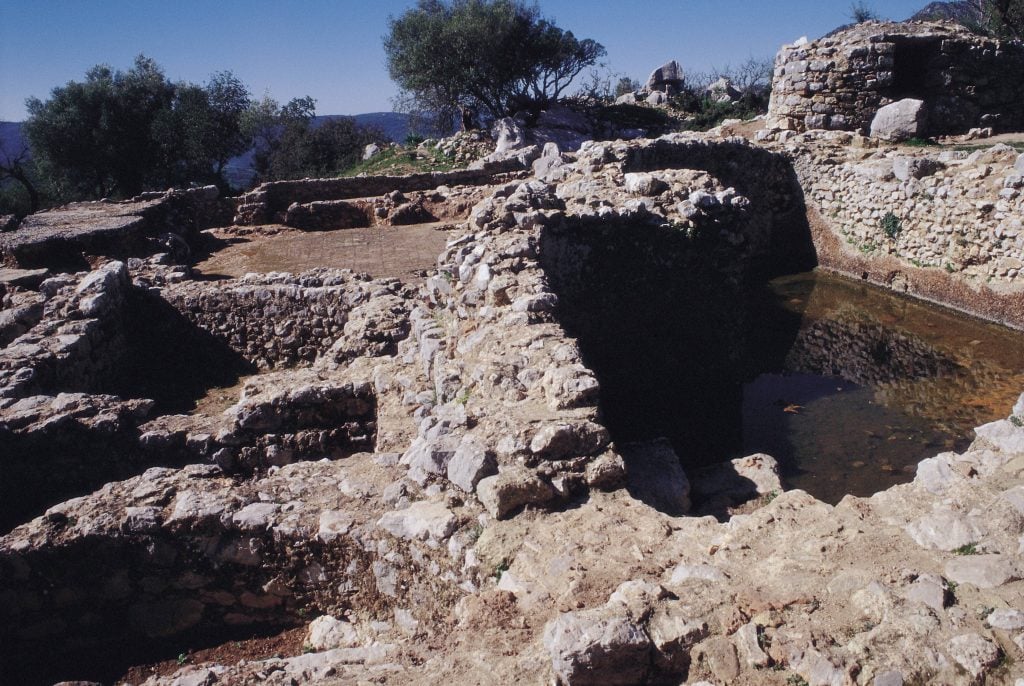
285,644
381,251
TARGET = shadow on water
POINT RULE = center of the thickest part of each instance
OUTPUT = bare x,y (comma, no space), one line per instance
847,386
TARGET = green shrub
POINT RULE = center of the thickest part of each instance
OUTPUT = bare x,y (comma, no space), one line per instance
891,225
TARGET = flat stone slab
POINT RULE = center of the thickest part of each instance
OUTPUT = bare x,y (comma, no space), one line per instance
22,278
984,571
60,236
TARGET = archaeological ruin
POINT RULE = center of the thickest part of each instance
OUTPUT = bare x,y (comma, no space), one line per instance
499,425
840,81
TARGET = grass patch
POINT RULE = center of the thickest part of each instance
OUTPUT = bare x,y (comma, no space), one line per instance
398,160
973,147
966,549
711,114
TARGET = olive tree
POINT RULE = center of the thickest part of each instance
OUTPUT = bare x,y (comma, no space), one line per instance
121,132
495,56
94,138
291,143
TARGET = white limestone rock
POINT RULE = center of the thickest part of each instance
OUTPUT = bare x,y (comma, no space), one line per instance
599,646
327,632
512,488
944,530
974,653
1007,619
984,571
899,121
421,521
1002,435
471,463
685,572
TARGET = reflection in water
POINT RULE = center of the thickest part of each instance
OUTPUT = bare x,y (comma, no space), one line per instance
871,384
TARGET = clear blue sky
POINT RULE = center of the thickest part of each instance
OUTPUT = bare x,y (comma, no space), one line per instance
331,49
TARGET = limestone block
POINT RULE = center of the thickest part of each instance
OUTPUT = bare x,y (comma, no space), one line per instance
600,646
899,121
421,521
511,488
974,653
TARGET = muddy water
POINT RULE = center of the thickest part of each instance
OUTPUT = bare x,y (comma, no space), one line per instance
869,384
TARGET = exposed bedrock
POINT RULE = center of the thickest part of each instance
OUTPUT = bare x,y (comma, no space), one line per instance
70,237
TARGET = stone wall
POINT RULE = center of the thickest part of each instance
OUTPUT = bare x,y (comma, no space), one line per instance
173,556
264,203
840,81
944,225
72,334
67,237
275,320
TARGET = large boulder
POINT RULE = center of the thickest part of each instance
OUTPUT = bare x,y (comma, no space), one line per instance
667,78
899,121
509,134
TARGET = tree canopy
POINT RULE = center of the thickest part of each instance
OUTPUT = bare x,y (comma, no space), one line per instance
493,55
1004,18
120,132
289,144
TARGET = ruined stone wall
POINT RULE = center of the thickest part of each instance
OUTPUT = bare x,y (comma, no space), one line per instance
840,81
185,553
953,210
67,237
773,237
263,204
71,334
276,320
902,217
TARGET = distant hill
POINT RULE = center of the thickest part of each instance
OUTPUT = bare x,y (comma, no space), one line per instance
11,140
961,11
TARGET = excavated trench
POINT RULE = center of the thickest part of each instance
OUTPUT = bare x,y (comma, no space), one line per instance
847,386
145,395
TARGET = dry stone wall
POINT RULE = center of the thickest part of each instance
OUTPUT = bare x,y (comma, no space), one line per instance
840,81
264,203
279,320
941,224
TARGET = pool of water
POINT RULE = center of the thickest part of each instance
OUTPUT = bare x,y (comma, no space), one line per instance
868,383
